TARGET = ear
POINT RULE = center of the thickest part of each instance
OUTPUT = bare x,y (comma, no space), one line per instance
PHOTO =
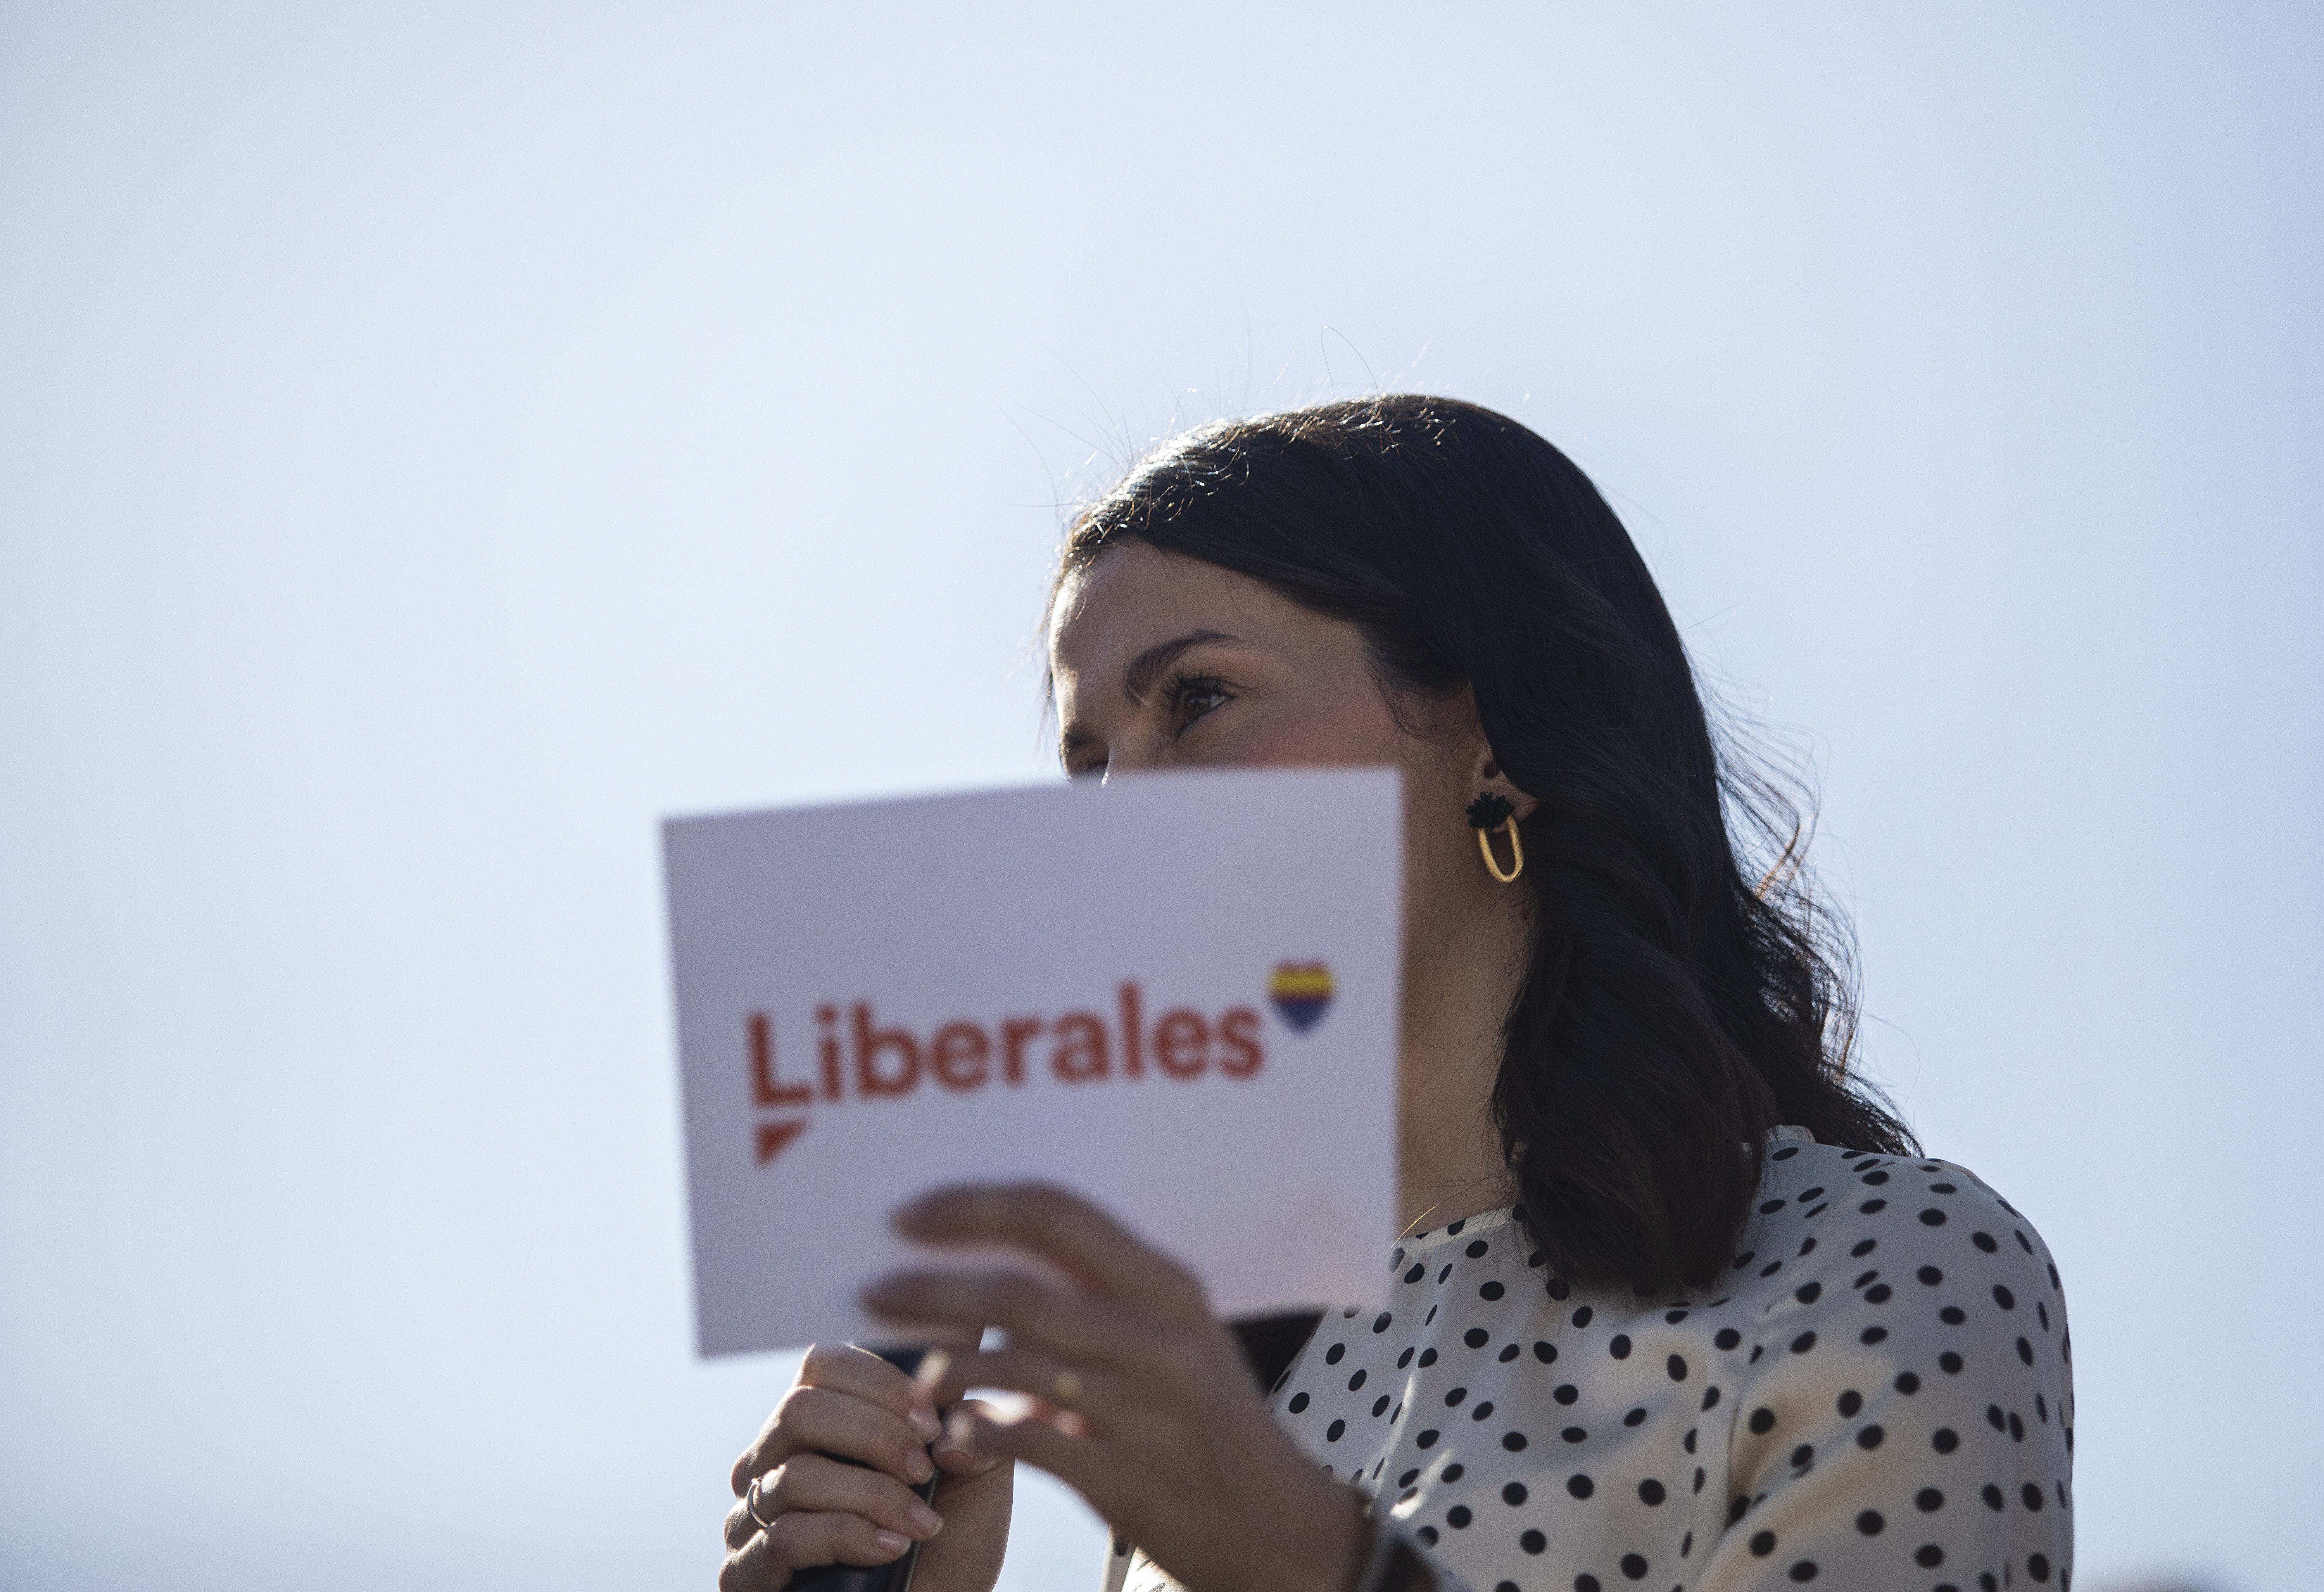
1485,774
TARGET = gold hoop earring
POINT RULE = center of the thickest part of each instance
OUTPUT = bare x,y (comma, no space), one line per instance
1487,813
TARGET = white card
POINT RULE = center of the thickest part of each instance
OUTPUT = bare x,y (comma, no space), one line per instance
1175,993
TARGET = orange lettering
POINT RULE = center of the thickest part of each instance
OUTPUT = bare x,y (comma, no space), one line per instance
1238,1037
1080,1055
827,1048
1014,1033
1182,1041
869,1042
1132,1064
960,1055
764,1090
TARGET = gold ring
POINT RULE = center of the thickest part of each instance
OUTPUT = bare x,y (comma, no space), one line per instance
1067,1387
750,1503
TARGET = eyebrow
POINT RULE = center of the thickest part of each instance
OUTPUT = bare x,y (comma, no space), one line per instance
1140,677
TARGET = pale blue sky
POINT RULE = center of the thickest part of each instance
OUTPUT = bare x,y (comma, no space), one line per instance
438,442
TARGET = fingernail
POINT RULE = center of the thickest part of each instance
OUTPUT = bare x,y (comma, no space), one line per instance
889,1542
924,1421
955,1433
926,1521
919,1466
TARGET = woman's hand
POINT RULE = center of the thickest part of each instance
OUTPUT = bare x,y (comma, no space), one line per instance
1142,1402
851,1403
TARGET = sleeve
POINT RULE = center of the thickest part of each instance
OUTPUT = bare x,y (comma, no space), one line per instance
1907,1420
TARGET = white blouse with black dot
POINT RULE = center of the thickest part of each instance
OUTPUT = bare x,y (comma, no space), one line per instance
1878,1394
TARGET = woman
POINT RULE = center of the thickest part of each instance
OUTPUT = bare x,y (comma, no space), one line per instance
1678,1303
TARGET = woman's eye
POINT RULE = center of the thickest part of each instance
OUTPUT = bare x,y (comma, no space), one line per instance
1197,698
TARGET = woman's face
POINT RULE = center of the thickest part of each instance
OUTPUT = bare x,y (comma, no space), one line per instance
1162,661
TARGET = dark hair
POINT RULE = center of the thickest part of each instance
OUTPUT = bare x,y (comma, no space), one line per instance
1675,1006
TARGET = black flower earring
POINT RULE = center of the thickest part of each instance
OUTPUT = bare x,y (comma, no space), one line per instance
1491,811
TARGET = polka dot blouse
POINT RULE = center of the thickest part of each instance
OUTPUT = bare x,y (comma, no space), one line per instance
1877,1394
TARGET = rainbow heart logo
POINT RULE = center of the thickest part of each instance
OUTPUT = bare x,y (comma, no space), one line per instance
1301,993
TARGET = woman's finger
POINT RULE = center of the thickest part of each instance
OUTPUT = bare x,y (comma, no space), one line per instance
1091,1246
842,1368
820,1418
1073,1461
813,1485
1070,1326
740,1528
954,1457
1087,1391
801,1541
753,1567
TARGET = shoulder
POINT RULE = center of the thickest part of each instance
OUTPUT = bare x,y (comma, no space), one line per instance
1820,1207
1883,1247
1910,1300
1906,1364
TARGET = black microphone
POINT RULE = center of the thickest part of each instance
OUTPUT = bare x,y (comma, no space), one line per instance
896,1575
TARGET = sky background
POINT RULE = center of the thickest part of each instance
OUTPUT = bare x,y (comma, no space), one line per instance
438,442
